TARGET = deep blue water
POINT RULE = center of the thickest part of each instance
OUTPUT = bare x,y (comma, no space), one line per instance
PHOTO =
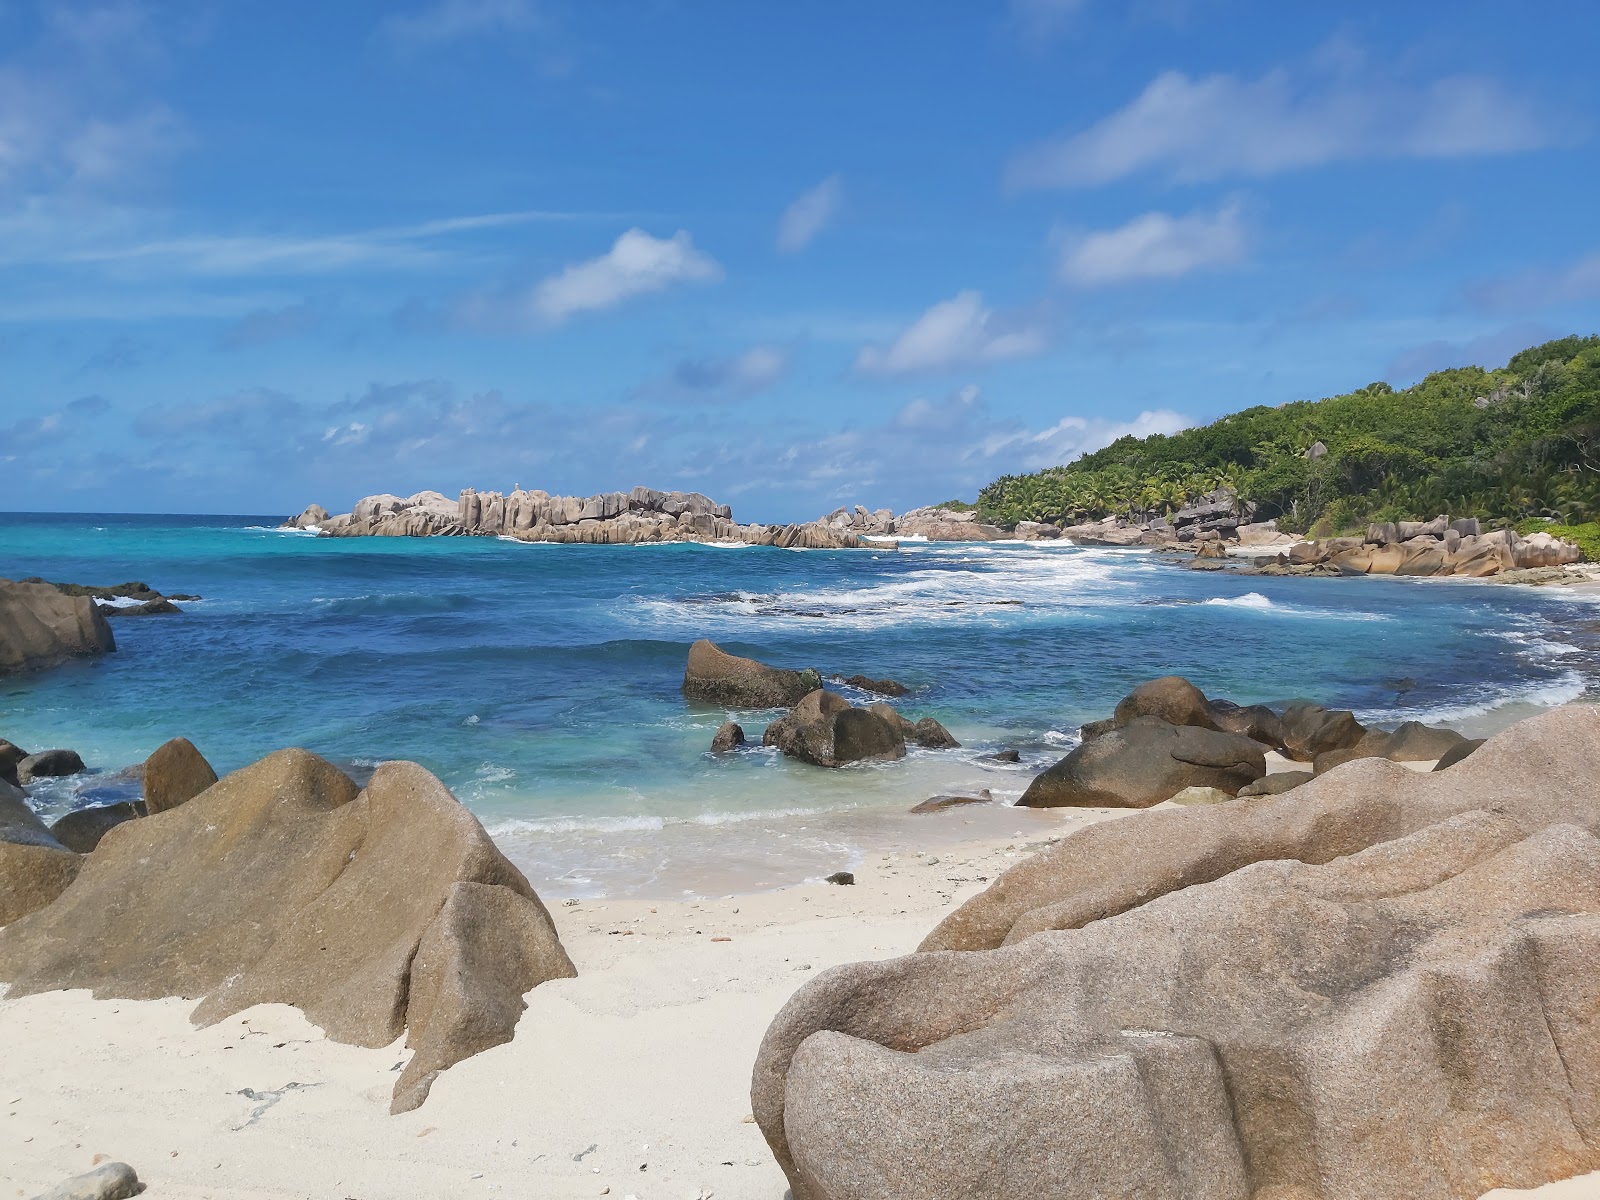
541,682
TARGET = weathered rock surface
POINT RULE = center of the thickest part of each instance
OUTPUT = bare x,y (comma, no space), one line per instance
108,1181
10,755
943,525
1276,783
41,626
175,774
81,829
1144,762
49,764
941,803
1310,730
1456,753
1436,547
1381,985
376,912
716,677
35,868
1257,722
826,730
311,517
926,732
1171,698
729,737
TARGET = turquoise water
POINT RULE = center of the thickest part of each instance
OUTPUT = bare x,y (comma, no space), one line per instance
541,682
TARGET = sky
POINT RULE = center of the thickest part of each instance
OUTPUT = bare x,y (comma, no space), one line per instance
258,255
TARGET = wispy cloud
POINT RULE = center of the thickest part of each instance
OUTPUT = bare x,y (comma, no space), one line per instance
1046,18
264,326
1155,246
1539,287
636,265
456,20
812,211
741,375
1216,126
240,416
958,332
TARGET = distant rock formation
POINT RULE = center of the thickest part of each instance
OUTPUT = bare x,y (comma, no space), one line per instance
933,523
1379,985
1437,547
40,626
605,519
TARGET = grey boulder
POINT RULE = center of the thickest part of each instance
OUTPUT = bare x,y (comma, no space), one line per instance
81,829
1172,698
49,764
1145,762
729,737
824,729
1310,730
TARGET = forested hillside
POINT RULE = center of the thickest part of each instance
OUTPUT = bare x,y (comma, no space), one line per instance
1509,445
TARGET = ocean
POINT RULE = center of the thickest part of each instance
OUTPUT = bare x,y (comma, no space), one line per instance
541,682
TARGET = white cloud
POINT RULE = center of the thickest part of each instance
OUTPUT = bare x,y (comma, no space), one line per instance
1155,246
454,20
1071,437
809,215
953,333
636,265
1045,18
1222,125
739,376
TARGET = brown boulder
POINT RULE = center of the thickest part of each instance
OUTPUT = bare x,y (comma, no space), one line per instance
1145,762
1310,730
1416,742
1171,698
940,803
1373,744
729,737
1251,1030
34,867
824,729
1256,721
282,884
81,829
934,736
717,677
49,764
41,626
10,755
1276,783
174,774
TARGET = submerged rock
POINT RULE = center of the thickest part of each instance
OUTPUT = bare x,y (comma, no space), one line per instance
878,687
940,803
1145,762
714,676
375,913
824,729
729,737
1376,986
49,764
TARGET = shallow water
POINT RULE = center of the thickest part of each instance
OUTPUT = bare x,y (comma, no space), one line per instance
541,682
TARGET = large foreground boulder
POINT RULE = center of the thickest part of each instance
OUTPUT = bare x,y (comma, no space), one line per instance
1381,985
41,626
35,867
826,730
1145,762
375,913
717,677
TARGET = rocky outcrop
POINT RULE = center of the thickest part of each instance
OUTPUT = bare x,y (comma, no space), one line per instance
41,626
1217,516
132,599
49,764
1429,548
1382,984
175,774
727,738
35,867
376,912
1171,698
606,519
926,732
945,525
826,730
1143,762
713,676
1309,730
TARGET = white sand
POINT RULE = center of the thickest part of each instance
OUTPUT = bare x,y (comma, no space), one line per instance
634,1077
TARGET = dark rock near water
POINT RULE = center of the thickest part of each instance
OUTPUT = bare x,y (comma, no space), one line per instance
1094,729
109,1181
374,913
826,730
1310,730
34,866
1416,742
150,608
10,755
729,737
1276,783
41,626
1145,762
878,687
175,774
1256,721
929,733
940,803
1171,698
81,829
842,878
716,677
1005,756
49,764
1375,986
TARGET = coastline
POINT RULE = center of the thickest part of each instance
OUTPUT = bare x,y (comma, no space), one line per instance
630,1080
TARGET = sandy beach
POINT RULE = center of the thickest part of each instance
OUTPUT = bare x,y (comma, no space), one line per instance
630,1080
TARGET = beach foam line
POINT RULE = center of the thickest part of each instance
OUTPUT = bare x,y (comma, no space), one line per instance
1570,686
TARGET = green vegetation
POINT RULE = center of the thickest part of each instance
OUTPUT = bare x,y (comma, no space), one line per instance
1507,445
954,506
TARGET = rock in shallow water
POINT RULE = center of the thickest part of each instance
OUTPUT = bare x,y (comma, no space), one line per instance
824,729
729,737
41,626
1174,1016
49,764
716,677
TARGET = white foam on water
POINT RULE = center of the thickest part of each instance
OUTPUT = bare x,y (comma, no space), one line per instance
1564,689
120,602
512,826
1248,600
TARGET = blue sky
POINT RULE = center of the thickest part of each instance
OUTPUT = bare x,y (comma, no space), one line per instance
257,255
